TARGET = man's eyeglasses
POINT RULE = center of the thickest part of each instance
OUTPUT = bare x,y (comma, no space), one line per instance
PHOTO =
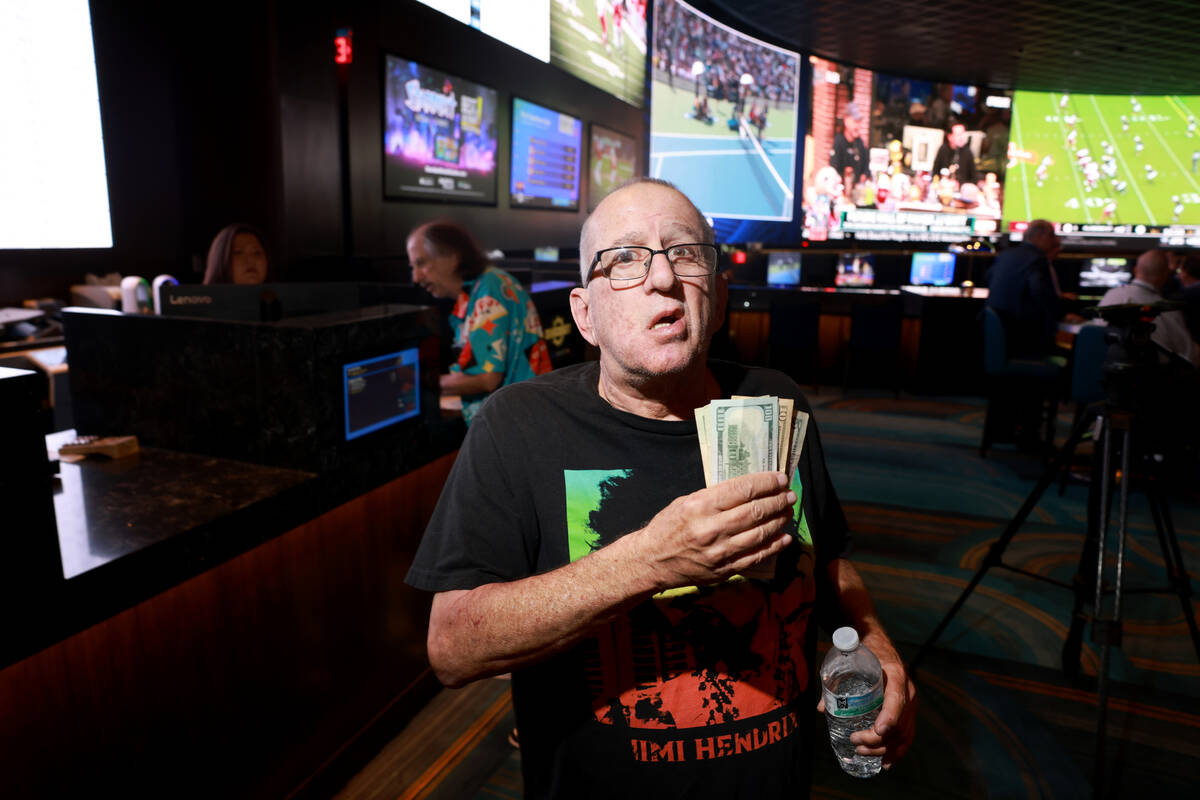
693,260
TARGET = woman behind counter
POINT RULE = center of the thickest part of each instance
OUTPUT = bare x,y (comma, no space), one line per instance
496,328
237,255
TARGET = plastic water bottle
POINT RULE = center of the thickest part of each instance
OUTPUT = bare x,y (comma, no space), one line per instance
852,682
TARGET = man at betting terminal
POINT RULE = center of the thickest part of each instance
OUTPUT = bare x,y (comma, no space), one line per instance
576,546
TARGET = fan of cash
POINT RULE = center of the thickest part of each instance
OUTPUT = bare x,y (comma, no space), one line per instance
750,434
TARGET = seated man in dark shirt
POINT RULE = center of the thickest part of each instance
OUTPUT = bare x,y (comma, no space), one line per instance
1023,290
956,157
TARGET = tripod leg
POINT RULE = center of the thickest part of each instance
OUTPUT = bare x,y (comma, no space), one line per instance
1177,574
996,552
1098,512
1108,630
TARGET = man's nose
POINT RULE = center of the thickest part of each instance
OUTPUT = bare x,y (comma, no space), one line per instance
661,275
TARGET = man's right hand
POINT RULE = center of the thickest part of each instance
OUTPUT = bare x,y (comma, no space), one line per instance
712,534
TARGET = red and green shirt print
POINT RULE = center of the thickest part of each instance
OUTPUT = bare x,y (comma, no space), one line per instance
697,673
497,329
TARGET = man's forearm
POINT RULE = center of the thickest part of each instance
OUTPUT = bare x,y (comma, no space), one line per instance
698,539
857,608
499,627
460,383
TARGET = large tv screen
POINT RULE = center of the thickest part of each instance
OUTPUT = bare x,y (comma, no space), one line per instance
1105,165
439,136
895,158
523,24
612,160
546,157
723,116
53,180
604,43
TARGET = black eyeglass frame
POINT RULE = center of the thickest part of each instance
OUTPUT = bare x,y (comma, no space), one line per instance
596,259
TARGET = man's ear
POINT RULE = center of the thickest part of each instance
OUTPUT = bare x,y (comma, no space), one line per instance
581,311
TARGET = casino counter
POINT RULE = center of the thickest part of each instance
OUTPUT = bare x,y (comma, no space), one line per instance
222,613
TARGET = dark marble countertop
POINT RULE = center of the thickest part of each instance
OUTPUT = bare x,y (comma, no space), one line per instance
108,509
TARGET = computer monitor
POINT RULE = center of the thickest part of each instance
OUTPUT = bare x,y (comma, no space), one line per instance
1104,273
932,269
381,391
783,269
855,269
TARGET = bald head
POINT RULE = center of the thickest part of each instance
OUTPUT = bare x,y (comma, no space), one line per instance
1152,268
587,244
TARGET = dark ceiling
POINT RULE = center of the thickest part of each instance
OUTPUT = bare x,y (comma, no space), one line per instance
1097,46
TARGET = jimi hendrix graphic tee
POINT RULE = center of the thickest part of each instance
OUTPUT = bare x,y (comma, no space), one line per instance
698,692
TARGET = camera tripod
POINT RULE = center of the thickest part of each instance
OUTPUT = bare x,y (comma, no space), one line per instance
1118,425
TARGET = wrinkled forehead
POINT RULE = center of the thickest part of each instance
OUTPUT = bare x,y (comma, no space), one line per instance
641,211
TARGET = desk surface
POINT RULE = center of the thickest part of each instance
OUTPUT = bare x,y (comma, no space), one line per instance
108,509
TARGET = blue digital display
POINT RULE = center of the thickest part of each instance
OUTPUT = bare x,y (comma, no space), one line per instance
783,269
546,156
381,391
932,269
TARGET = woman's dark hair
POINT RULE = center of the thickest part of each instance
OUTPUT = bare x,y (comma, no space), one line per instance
446,237
219,267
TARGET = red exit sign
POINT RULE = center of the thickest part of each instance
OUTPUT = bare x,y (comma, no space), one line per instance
343,46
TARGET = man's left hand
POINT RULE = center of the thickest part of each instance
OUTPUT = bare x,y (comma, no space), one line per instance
894,727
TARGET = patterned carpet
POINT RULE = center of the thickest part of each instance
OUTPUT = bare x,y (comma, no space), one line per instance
997,716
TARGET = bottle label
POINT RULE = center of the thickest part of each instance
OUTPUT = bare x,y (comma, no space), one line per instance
856,704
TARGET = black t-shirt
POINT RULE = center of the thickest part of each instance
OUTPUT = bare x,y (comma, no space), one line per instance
698,692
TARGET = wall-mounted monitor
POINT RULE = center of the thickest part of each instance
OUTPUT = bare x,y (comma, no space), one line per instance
1104,273
523,24
439,135
783,269
53,180
602,43
381,391
723,117
900,159
547,150
612,160
932,269
855,269
1106,167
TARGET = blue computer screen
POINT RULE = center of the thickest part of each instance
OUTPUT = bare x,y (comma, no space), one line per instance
783,269
932,269
546,157
381,391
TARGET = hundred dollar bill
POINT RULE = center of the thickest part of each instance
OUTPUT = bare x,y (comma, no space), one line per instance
799,430
786,406
746,436
704,432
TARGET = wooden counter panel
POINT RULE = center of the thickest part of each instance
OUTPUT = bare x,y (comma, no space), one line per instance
241,681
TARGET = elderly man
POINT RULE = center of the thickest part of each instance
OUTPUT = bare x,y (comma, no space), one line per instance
1023,290
575,545
1150,274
